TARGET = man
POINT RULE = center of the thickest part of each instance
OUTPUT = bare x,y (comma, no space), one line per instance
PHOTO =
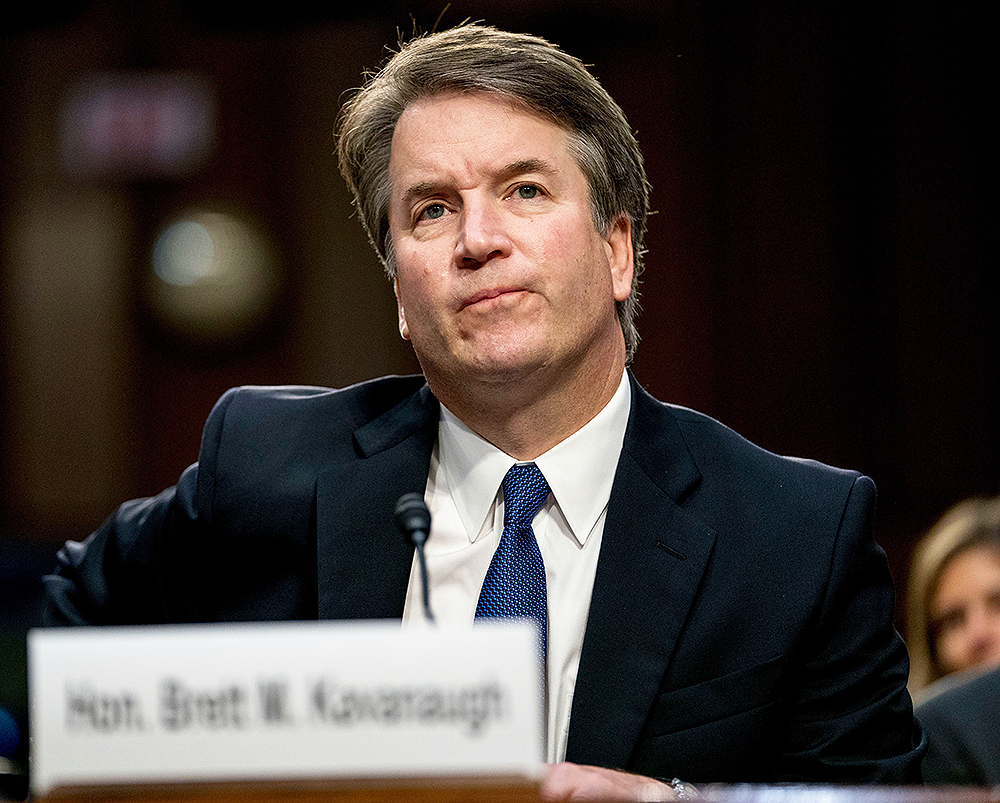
710,611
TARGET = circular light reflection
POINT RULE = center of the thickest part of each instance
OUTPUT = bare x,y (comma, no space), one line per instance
214,276
183,253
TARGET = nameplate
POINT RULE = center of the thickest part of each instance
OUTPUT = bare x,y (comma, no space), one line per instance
282,701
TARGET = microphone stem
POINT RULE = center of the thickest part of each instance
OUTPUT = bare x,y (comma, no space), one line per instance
424,585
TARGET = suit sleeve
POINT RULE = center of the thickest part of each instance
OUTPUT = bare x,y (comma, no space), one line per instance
851,717
149,562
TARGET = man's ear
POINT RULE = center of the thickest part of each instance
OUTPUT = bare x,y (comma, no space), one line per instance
404,330
621,260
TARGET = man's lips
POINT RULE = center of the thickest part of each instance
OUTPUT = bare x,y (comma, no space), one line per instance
492,294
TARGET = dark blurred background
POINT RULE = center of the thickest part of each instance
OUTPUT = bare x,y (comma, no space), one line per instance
818,269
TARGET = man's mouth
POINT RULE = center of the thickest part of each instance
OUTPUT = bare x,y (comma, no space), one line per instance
491,296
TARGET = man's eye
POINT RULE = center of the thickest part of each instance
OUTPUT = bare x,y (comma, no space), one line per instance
527,191
433,212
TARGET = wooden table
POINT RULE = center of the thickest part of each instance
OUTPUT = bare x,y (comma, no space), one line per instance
487,791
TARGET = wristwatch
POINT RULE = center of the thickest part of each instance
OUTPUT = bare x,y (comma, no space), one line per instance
683,791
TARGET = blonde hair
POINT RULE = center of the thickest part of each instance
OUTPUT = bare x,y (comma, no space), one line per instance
973,522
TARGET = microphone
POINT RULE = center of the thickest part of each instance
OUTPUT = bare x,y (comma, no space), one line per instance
414,521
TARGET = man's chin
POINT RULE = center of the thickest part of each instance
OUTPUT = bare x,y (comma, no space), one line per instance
504,369
506,372
501,358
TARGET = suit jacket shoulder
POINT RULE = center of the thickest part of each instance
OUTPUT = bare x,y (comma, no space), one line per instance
236,538
701,462
274,439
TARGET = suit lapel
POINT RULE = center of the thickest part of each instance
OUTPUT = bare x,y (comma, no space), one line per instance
363,564
652,558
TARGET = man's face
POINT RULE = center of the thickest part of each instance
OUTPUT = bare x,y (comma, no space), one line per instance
500,270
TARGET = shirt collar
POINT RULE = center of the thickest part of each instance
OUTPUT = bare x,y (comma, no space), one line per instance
580,470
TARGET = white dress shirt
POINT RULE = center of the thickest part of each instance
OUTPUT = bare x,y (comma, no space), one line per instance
465,499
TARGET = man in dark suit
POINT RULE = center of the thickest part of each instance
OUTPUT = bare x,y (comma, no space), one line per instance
712,611
962,718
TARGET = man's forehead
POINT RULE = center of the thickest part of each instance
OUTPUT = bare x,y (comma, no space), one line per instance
438,131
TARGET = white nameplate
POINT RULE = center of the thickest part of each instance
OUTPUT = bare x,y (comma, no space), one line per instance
282,701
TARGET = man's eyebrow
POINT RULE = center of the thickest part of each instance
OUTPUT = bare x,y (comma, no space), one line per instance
424,189
523,166
420,190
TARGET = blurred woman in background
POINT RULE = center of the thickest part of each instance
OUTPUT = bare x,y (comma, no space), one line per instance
954,594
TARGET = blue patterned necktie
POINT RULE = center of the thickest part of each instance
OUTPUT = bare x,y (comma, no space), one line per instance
515,582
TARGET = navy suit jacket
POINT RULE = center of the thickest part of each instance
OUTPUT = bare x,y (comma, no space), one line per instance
961,715
741,622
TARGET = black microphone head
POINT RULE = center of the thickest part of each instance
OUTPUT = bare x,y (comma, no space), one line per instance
412,517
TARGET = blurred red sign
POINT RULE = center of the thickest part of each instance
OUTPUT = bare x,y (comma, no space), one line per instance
138,125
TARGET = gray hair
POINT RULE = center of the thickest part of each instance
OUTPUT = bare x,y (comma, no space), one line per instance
535,74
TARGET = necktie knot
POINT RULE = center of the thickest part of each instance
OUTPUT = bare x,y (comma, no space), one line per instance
524,492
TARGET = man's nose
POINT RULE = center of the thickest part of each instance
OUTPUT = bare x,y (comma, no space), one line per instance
482,236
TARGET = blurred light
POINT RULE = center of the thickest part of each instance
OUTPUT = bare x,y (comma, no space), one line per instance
137,125
214,276
184,253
